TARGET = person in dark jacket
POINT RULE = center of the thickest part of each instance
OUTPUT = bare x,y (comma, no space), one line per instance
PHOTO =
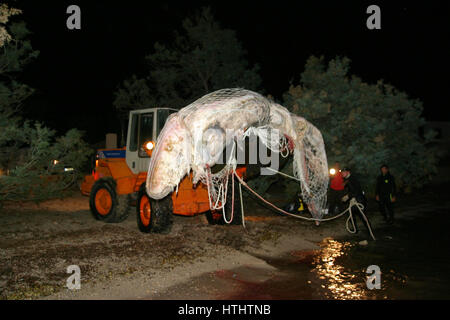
353,190
386,193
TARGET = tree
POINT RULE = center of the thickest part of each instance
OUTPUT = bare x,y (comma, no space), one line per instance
133,94
15,52
202,58
364,125
28,170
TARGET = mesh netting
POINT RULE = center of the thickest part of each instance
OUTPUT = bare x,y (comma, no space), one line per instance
194,139
217,183
311,167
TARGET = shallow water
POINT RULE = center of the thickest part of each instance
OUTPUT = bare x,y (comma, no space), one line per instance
413,256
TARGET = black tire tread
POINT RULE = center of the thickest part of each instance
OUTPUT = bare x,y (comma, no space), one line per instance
120,203
161,220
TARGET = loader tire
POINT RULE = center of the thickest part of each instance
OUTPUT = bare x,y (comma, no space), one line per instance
154,215
106,205
216,217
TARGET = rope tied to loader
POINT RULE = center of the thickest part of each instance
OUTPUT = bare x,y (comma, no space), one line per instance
220,195
350,219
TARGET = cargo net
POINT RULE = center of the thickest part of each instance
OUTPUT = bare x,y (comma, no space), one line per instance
311,168
229,98
310,162
217,183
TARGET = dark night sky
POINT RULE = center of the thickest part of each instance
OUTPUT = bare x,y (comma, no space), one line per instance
77,71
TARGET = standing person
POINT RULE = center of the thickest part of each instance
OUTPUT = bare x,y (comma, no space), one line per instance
353,190
386,193
336,189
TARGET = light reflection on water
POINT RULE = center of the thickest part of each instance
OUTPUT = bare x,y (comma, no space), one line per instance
341,284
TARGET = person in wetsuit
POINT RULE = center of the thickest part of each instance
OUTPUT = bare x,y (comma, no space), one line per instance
386,193
353,190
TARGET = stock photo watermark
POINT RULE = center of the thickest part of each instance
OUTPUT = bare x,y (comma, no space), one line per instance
374,20
73,282
374,277
73,22
264,147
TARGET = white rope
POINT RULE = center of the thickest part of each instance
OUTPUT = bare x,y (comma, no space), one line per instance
282,173
230,162
242,205
232,204
352,203
284,146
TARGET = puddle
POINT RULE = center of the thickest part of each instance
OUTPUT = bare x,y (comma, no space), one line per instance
413,256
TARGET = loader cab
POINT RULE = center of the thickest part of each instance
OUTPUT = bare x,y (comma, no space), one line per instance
144,126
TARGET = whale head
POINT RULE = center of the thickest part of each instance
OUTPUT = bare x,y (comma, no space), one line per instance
171,159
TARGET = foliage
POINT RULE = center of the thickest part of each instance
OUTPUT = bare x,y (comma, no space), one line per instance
27,149
133,94
364,125
35,175
202,58
5,13
15,52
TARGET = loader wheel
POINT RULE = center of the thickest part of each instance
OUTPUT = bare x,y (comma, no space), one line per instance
216,217
106,205
154,215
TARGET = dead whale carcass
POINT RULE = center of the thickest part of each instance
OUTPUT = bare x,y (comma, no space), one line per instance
194,137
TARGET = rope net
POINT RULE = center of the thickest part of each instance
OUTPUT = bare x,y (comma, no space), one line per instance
310,166
226,117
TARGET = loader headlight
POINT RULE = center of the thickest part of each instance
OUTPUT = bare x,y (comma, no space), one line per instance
332,171
146,149
149,145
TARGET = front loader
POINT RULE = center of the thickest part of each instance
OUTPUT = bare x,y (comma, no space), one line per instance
118,181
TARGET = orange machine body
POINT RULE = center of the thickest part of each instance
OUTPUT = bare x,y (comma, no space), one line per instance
190,200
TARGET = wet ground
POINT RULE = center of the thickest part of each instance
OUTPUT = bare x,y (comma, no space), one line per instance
413,256
276,257
414,264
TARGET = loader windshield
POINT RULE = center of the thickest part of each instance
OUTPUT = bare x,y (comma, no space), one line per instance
163,114
145,132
